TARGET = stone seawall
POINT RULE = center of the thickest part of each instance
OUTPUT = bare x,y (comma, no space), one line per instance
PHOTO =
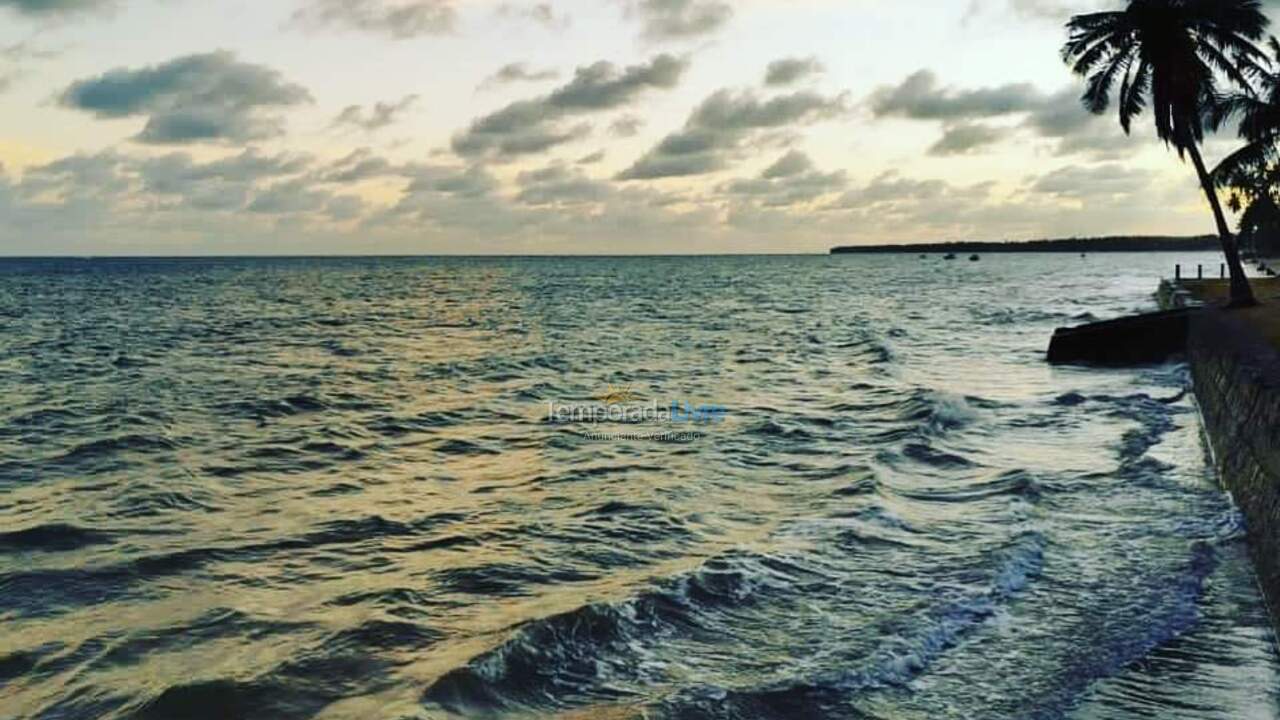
1237,383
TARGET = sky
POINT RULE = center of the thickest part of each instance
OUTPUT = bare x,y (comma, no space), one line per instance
177,127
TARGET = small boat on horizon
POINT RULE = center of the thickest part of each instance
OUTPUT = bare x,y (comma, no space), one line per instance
974,258
950,256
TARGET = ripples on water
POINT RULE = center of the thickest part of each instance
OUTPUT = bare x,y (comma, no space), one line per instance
295,489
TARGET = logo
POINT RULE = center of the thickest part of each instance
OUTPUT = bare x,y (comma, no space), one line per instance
623,405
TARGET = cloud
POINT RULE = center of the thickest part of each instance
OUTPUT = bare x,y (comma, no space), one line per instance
224,184
667,20
1055,11
595,157
626,126
601,86
380,116
198,98
101,176
1059,117
789,165
357,166
540,13
168,173
721,124
26,50
964,138
290,197
49,8
517,73
342,208
399,20
471,182
890,188
14,59
789,71
920,97
1062,117
1081,183
792,180
533,126
444,197
893,206
115,185
253,202
559,186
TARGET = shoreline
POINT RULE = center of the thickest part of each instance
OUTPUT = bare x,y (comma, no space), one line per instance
1235,370
1113,244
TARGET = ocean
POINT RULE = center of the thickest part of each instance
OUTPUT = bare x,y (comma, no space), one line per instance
731,487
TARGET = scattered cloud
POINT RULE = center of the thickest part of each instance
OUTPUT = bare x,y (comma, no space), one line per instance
224,184
472,182
717,129
668,20
400,20
1059,117
1081,183
289,198
26,50
381,115
626,126
921,97
890,189
792,180
790,165
16,58
543,14
518,72
789,71
342,208
533,126
198,98
558,185
964,138
1055,11
52,8
100,176
358,166
505,182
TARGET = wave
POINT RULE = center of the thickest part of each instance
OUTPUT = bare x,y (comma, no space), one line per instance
47,592
608,653
277,407
53,537
1011,483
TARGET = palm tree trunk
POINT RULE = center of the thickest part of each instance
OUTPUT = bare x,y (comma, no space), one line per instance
1241,292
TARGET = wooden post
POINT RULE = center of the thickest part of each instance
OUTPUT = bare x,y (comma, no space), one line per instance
1222,271
1177,271
1199,272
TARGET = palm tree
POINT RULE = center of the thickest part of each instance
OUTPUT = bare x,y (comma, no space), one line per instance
1255,195
1259,114
1169,54
1260,225
1253,172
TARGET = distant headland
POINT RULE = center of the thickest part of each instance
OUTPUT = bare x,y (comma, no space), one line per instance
1198,243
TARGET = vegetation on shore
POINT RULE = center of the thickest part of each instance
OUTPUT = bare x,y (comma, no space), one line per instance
1252,173
1173,57
1203,243
1196,66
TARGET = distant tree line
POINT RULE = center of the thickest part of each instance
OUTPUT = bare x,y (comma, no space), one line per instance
1206,243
